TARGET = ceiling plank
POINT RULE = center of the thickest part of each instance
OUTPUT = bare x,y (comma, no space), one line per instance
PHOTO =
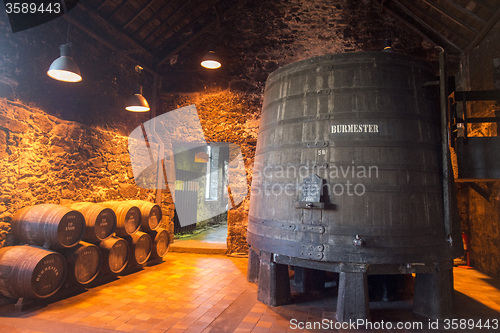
102,5
157,43
109,45
426,25
491,23
89,11
151,18
465,11
448,15
120,6
139,13
166,20
186,43
240,4
485,4
411,26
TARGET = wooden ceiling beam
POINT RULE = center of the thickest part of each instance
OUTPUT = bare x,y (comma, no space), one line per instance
465,11
89,11
109,45
448,15
411,26
425,24
186,43
485,4
157,43
101,5
120,6
161,26
178,49
491,23
154,16
139,13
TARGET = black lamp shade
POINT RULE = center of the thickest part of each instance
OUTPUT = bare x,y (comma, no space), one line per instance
137,103
65,68
211,61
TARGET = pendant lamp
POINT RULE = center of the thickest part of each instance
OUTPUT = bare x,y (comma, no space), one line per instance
65,68
211,61
137,102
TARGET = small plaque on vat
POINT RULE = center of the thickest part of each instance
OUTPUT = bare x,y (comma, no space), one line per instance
311,189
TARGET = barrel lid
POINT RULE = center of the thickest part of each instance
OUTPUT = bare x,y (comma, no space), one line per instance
118,255
162,243
105,224
70,229
48,275
132,220
87,264
143,249
155,217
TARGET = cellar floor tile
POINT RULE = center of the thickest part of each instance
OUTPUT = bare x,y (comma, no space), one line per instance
209,293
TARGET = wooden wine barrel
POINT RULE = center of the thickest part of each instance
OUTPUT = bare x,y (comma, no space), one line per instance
140,248
30,272
150,214
128,217
100,221
115,254
84,262
55,225
161,243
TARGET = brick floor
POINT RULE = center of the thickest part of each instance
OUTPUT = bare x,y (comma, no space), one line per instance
203,293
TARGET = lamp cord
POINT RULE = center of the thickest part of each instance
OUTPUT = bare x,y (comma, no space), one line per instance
65,10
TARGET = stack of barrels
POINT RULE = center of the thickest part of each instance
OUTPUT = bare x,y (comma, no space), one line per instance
78,242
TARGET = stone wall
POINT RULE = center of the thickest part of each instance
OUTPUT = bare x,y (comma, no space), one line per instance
44,159
483,227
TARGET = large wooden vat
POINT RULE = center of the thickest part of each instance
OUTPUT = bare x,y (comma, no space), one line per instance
30,272
48,224
348,178
368,126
